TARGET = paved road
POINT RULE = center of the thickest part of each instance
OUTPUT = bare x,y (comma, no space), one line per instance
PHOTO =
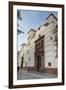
24,74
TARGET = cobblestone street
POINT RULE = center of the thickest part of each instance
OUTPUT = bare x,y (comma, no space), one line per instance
24,74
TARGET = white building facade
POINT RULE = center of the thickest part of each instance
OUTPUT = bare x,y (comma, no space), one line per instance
41,52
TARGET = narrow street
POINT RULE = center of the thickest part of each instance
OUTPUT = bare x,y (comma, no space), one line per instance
24,74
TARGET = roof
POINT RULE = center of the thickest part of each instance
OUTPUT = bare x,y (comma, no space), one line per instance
51,15
31,30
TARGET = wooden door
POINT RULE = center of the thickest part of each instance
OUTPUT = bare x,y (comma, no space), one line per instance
38,63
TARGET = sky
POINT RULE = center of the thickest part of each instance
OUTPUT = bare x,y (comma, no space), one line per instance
31,19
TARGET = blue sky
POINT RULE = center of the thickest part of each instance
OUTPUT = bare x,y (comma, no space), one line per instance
31,19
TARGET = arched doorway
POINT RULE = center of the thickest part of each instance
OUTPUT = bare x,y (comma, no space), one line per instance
38,63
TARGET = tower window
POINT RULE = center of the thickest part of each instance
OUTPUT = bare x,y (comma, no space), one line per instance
51,38
49,64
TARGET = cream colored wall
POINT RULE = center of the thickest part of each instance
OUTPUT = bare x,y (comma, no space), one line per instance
30,36
50,19
31,55
25,52
31,50
49,47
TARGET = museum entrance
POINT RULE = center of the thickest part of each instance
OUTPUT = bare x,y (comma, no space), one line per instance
38,63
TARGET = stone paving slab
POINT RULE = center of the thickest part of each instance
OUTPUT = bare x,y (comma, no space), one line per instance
24,74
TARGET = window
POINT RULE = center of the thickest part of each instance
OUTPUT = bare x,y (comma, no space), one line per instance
22,58
36,45
42,43
39,45
49,64
50,38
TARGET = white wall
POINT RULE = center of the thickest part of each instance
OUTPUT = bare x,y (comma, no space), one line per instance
31,52
4,45
49,48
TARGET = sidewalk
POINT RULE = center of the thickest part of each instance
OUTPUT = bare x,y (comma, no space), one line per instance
24,74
